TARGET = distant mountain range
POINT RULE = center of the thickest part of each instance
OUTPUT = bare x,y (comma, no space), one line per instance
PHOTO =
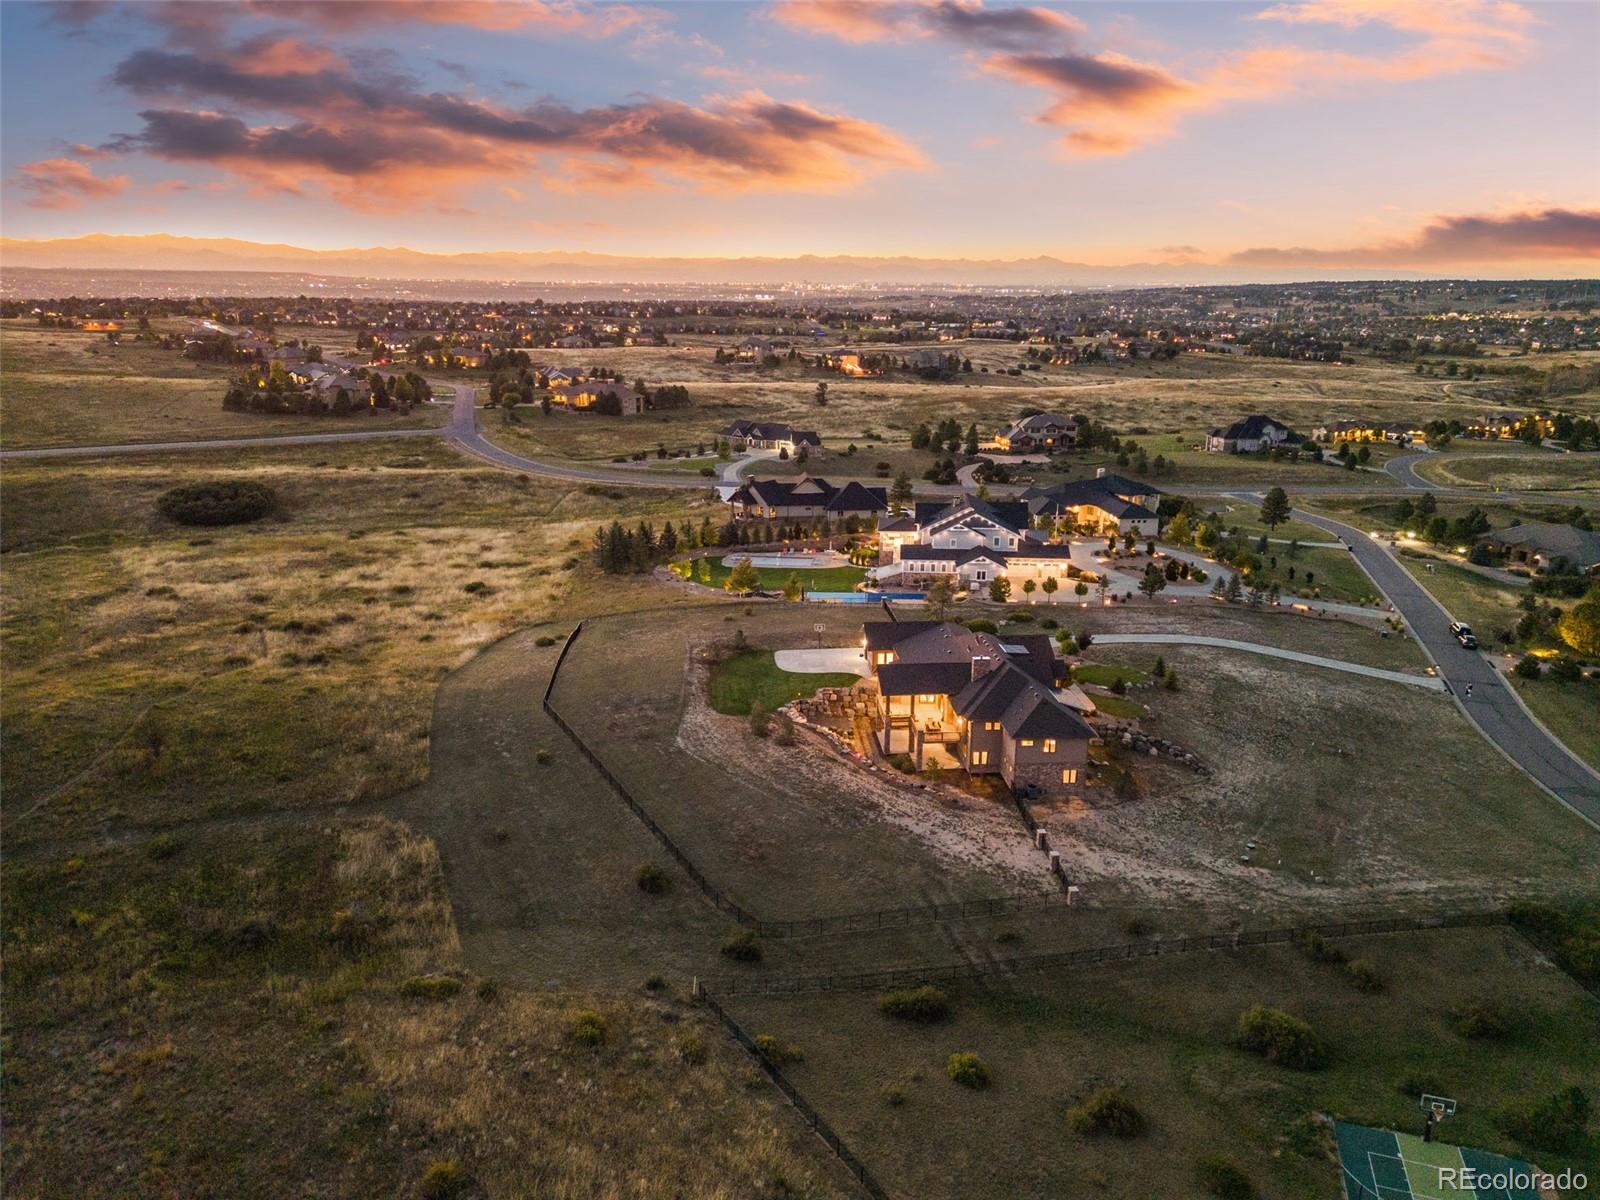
165,252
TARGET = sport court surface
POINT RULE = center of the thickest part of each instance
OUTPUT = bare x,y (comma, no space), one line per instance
1379,1164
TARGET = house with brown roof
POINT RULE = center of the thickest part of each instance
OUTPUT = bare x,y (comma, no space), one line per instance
989,702
1041,431
806,499
1545,547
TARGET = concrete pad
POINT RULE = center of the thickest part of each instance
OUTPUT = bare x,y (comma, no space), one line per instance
828,660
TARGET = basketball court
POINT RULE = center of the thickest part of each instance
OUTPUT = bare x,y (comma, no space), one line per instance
1379,1164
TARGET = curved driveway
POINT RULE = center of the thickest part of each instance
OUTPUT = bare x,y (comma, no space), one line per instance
1430,682
1493,706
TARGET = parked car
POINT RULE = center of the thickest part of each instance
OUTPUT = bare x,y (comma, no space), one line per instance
1464,635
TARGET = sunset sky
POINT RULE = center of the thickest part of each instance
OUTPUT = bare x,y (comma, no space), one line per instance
1453,138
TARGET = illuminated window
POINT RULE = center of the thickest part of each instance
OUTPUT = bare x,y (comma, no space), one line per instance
980,758
1049,745
1069,774
927,699
1026,742
991,726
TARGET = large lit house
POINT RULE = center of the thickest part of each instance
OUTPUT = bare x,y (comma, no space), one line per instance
1253,433
770,435
1545,546
806,499
971,542
1041,431
989,702
1107,504
591,393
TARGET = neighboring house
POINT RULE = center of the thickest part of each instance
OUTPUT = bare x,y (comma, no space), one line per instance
1249,435
580,396
558,376
1401,433
928,360
806,499
990,702
846,362
1042,431
759,350
1509,425
1107,504
1546,547
770,435
970,541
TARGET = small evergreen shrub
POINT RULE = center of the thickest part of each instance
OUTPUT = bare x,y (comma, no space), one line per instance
1280,1038
217,502
430,987
543,757
1483,1020
743,947
1363,976
444,1179
588,1028
651,879
692,1048
967,1069
922,1005
1220,1176
1107,1111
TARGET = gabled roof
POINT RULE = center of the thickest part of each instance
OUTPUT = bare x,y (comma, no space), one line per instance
770,431
1580,546
960,555
1253,426
1103,491
1023,706
922,678
1038,423
856,497
886,635
903,523
1010,515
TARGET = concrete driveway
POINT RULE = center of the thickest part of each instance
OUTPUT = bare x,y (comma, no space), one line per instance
844,660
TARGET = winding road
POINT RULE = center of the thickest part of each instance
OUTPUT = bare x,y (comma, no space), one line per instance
1493,706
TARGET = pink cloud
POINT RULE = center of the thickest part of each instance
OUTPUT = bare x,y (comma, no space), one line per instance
66,183
1544,234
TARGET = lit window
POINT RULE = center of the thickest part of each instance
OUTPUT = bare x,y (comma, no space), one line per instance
1049,745
1069,774
991,726
980,758
1026,742
927,699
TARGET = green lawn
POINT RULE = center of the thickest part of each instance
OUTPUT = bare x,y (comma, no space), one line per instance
1118,706
754,677
1332,574
824,579
1487,606
1571,710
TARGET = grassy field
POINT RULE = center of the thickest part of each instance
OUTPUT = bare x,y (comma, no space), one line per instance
60,387
1343,783
818,579
160,674
1519,472
307,983
753,678
1571,711
1163,1032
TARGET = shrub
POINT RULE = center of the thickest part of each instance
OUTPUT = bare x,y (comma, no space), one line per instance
923,1005
1020,616
543,757
760,719
1137,926
488,989
743,947
1363,976
445,1178
1318,949
1559,1124
1280,1038
588,1028
218,502
651,879
477,587
430,987
162,846
1482,1020
967,1069
1527,667
692,1048
892,1094
1220,1176
1106,1111
778,1053
544,641
980,625
655,983
1566,670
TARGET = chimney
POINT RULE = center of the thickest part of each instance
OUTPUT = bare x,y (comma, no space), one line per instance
982,664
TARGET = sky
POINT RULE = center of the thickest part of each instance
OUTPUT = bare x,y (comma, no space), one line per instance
1457,138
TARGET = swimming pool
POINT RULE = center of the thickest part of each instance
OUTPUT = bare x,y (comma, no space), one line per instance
862,597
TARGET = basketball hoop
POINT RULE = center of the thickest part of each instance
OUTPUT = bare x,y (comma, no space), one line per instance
1437,1109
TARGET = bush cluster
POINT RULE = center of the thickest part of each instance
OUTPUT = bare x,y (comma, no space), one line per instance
218,502
1280,1038
967,1069
743,947
1220,1176
430,987
1483,1020
923,1005
588,1028
778,1053
651,879
1107,1111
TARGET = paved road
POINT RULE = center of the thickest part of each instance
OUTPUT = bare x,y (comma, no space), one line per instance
1493,707
1431,682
